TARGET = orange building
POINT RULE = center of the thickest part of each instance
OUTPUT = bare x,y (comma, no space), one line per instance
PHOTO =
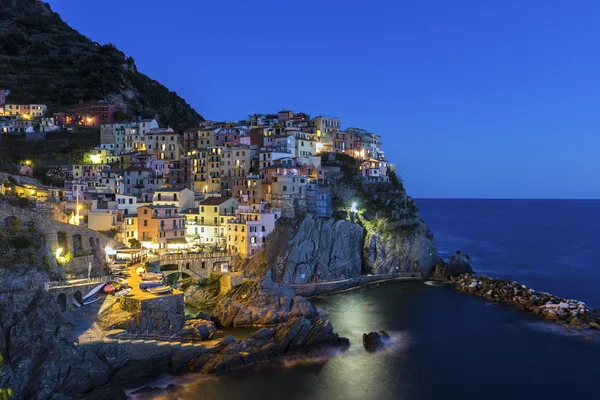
161,227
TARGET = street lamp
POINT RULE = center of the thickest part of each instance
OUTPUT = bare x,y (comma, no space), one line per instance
353,207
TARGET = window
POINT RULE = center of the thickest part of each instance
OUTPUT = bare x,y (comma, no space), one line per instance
145,211
216,209
145,222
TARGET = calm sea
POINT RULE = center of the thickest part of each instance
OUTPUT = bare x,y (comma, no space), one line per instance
448,344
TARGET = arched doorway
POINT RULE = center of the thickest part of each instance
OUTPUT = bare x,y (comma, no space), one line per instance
179,279
62,301
78,297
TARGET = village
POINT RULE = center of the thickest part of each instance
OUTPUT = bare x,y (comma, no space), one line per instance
216,187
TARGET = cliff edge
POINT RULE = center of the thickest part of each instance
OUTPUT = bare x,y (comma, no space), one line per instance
375,229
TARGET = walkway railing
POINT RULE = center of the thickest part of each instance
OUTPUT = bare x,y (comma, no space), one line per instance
188,256
75,282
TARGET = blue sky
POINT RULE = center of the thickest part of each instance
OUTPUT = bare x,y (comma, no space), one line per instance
472,98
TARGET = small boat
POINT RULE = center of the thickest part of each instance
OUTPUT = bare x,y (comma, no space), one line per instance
95,299
160,290
122,292
121,281
93,292
76,303
149,276
150,284
109,289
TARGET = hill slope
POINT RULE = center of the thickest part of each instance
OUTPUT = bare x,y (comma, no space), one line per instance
44,60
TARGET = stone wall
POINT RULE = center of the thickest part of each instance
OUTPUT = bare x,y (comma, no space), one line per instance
160,315
70,238
78,267
230,280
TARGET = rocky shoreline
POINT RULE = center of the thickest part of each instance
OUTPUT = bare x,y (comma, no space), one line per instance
562,311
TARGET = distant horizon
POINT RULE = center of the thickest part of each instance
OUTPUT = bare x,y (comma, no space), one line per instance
472,99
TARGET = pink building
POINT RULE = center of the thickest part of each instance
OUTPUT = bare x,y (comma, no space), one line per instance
228,137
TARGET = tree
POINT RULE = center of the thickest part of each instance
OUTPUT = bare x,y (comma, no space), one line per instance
135,244
4,393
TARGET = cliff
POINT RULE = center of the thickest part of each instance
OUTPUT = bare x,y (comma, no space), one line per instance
44,60
382,234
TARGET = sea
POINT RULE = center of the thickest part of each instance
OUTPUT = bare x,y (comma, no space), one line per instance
446,344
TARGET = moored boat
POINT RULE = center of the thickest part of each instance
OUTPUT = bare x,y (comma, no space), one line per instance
151,284
160,290
109,289
122,292
95,299
93,291
149,276
76,303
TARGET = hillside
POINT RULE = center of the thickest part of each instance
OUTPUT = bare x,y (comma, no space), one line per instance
44,60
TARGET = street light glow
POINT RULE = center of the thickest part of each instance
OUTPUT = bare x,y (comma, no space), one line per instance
58,252
353,207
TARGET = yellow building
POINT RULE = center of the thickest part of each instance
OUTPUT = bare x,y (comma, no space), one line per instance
129,228
24,110
208,221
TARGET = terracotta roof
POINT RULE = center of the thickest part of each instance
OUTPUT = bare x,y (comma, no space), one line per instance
214,201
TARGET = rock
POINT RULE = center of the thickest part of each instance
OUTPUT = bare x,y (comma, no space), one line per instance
372,341
198,329
594,324
43,362
296,336
260,303
203,315
460,263
440,271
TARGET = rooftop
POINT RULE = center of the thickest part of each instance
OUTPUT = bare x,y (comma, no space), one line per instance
214,201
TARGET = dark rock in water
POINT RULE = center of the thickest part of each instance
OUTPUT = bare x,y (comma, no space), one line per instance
203,315
440,270
298,336
372,341
460,263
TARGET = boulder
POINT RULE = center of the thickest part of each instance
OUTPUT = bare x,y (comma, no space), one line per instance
372,341
460,263
197,329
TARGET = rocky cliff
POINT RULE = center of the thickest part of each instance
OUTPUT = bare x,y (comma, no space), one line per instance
40,358
382,234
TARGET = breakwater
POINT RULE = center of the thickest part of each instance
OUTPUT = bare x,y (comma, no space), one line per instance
562,311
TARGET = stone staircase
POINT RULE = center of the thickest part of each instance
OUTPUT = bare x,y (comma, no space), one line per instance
144,346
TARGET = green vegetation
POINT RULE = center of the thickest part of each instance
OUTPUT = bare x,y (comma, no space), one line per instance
59,148
5,394
20,245
44,60
135,244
